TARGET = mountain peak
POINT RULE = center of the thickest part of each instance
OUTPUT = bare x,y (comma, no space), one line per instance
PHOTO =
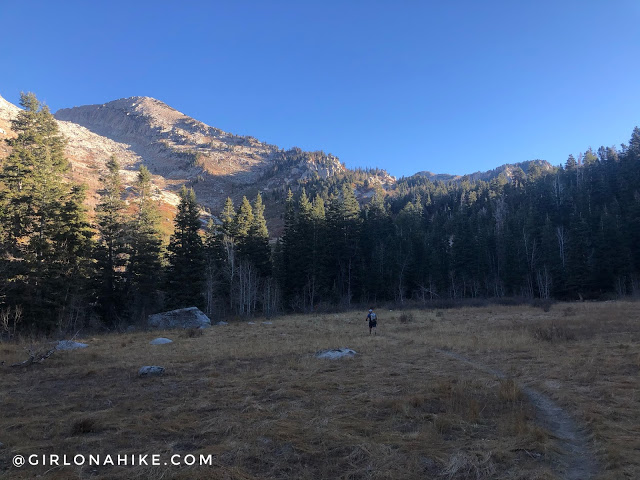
183,150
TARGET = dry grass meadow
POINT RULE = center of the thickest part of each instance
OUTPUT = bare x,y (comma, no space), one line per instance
256,399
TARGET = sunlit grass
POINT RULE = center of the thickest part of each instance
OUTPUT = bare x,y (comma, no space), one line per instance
256,398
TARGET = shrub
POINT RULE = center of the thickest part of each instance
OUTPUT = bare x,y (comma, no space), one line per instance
509,391
406,317
85,425
552,332
193,332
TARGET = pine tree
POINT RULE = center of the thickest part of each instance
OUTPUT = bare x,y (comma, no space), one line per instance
112,251
44,224
343,225
186,275
242,222
304,257
223,246
214,260
258,250
145,267
287,273
318,251
227,217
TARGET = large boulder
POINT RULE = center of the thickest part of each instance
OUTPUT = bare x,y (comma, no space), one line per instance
190,317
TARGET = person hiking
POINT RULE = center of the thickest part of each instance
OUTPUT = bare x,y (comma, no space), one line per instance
373,321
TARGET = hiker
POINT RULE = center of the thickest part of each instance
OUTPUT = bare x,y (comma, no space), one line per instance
373,321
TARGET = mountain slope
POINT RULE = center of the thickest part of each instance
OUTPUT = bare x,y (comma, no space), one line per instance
185,151
179,150
507,170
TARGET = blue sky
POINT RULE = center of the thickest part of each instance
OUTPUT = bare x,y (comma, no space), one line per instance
446,86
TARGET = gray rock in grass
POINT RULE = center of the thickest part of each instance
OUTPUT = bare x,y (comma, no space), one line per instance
150,371
70,345
336,353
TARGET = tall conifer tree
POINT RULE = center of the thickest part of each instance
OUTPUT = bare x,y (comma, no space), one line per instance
145,267
112,251
186,275
45,231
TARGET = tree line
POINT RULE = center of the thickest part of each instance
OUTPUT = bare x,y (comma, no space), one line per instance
569,232
60,271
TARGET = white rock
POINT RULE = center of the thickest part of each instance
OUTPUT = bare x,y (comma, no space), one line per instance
150,371
267,323
336,353
160,341
221,323
70,345
251,323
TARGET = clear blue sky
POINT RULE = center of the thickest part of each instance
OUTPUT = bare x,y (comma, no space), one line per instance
447,86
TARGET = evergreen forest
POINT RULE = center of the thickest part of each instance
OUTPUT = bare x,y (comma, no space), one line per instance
570,232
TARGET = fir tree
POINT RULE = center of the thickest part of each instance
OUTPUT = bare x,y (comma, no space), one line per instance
185,276
44,228
145,267
112,251
227,217
258,250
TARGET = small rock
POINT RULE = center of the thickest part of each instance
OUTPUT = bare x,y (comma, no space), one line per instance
267,323
336,353
221,323
160,341
1,444
70,345
150,371
251,323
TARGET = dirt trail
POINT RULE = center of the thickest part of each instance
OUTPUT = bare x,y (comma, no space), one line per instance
577,461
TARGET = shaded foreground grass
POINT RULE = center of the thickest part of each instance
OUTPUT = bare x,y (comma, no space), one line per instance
256,399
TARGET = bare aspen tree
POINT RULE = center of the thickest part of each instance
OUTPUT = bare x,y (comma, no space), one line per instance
561,234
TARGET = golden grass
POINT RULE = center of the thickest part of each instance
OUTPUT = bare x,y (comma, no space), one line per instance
256,399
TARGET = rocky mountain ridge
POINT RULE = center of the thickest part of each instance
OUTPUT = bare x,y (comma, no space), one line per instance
179,150
508,170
